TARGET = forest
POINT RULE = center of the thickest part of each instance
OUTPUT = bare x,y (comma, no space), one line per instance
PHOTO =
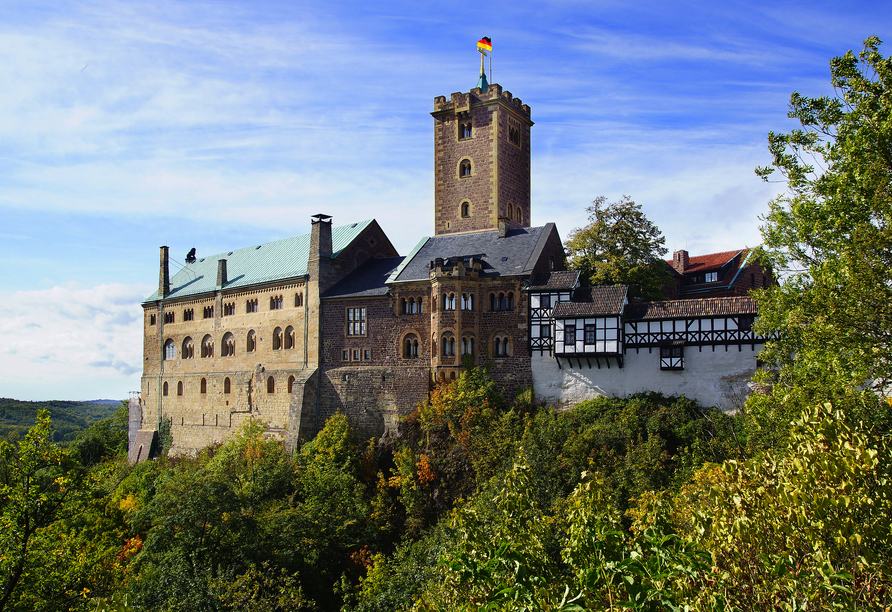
490,503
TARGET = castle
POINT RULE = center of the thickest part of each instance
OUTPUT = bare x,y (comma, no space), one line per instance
293,331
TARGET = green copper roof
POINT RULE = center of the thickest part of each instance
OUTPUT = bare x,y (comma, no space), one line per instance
273,261
481,82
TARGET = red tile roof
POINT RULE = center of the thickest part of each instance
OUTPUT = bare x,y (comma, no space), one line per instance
704,263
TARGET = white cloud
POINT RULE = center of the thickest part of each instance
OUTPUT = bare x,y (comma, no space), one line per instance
71,342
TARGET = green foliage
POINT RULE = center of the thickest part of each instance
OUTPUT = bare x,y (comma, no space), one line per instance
69,418
831,237
620,246
103,439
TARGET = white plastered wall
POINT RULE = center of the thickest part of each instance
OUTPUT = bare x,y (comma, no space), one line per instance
711,377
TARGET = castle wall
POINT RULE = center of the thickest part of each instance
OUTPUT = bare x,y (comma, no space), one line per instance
713,376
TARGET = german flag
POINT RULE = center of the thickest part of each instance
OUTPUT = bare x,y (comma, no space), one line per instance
485,43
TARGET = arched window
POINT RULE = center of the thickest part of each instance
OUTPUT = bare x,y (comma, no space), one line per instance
467,345
252,341
501,346
410,347
289,338
298,300
519,216
228,348
270,385
404,306
164,392
204,385
227,385
277,338
466,209
493,302
452,376
464,168
188,348
170,350
207,346
180,387
510,300
290,384
448,345
448,301
467,301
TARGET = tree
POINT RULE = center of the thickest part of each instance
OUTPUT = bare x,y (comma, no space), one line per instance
620,246
830,237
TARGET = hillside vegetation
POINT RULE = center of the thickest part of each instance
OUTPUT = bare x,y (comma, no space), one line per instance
69,418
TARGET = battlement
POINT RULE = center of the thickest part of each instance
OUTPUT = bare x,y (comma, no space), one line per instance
460,101
470,266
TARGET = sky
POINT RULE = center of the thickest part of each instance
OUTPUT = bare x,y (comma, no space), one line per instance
218,125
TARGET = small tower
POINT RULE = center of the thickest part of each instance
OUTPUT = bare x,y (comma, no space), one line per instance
481,161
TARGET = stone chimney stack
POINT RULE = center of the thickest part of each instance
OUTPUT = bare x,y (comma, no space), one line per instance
319,266
221,273
503,227
680,261
164,276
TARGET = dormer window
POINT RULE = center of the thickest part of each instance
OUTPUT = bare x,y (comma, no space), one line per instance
711,277
464,168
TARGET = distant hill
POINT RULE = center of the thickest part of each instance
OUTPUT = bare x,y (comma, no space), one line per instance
69,418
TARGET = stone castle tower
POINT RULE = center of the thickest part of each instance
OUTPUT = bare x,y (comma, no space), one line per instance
481,161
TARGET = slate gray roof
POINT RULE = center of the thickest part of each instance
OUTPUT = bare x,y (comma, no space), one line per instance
270,262
593,301
703,307
556,279
514,255
368,280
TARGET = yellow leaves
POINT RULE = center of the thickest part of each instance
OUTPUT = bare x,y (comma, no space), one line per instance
128,503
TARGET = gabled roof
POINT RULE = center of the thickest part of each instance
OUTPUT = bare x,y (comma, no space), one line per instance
554,280
514,255
368,280
593,301
703,307
712,261
270,262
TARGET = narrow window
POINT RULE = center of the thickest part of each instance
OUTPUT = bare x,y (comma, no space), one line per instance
151,319
277,338
228,348
289,337
367,354
510,301
545,301
355,354
170,350
188,348
227,385
207,346
465,130
252,341
589,334
298,300
346,355
465,210
180,388
464,168
270,385
545,331
204,385
569,334
467,301
290,384
164,392
404,306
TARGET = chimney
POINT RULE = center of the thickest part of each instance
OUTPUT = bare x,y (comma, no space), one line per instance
503,226
319,267
221,273
164,276
680,261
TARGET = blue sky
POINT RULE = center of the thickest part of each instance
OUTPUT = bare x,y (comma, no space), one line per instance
218,125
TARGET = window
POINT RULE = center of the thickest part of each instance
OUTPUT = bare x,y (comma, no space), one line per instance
355,354
448,345
276,302
251,306
169,317
228,348
514,133
290,384
590,334
672,358
252,341
208,312
164,392
745,323
289,337
345,355
188,348
227,385
204,385
356,321
465,209
367,354
229,309
467,301
270,385
448,301
464,168
410,347
277,338
545,301
207,346
501,346
298,300
502,301
180,388
465,130
151,319
189,314
569,334
545,331
467,346
170,350
711,277
412,306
